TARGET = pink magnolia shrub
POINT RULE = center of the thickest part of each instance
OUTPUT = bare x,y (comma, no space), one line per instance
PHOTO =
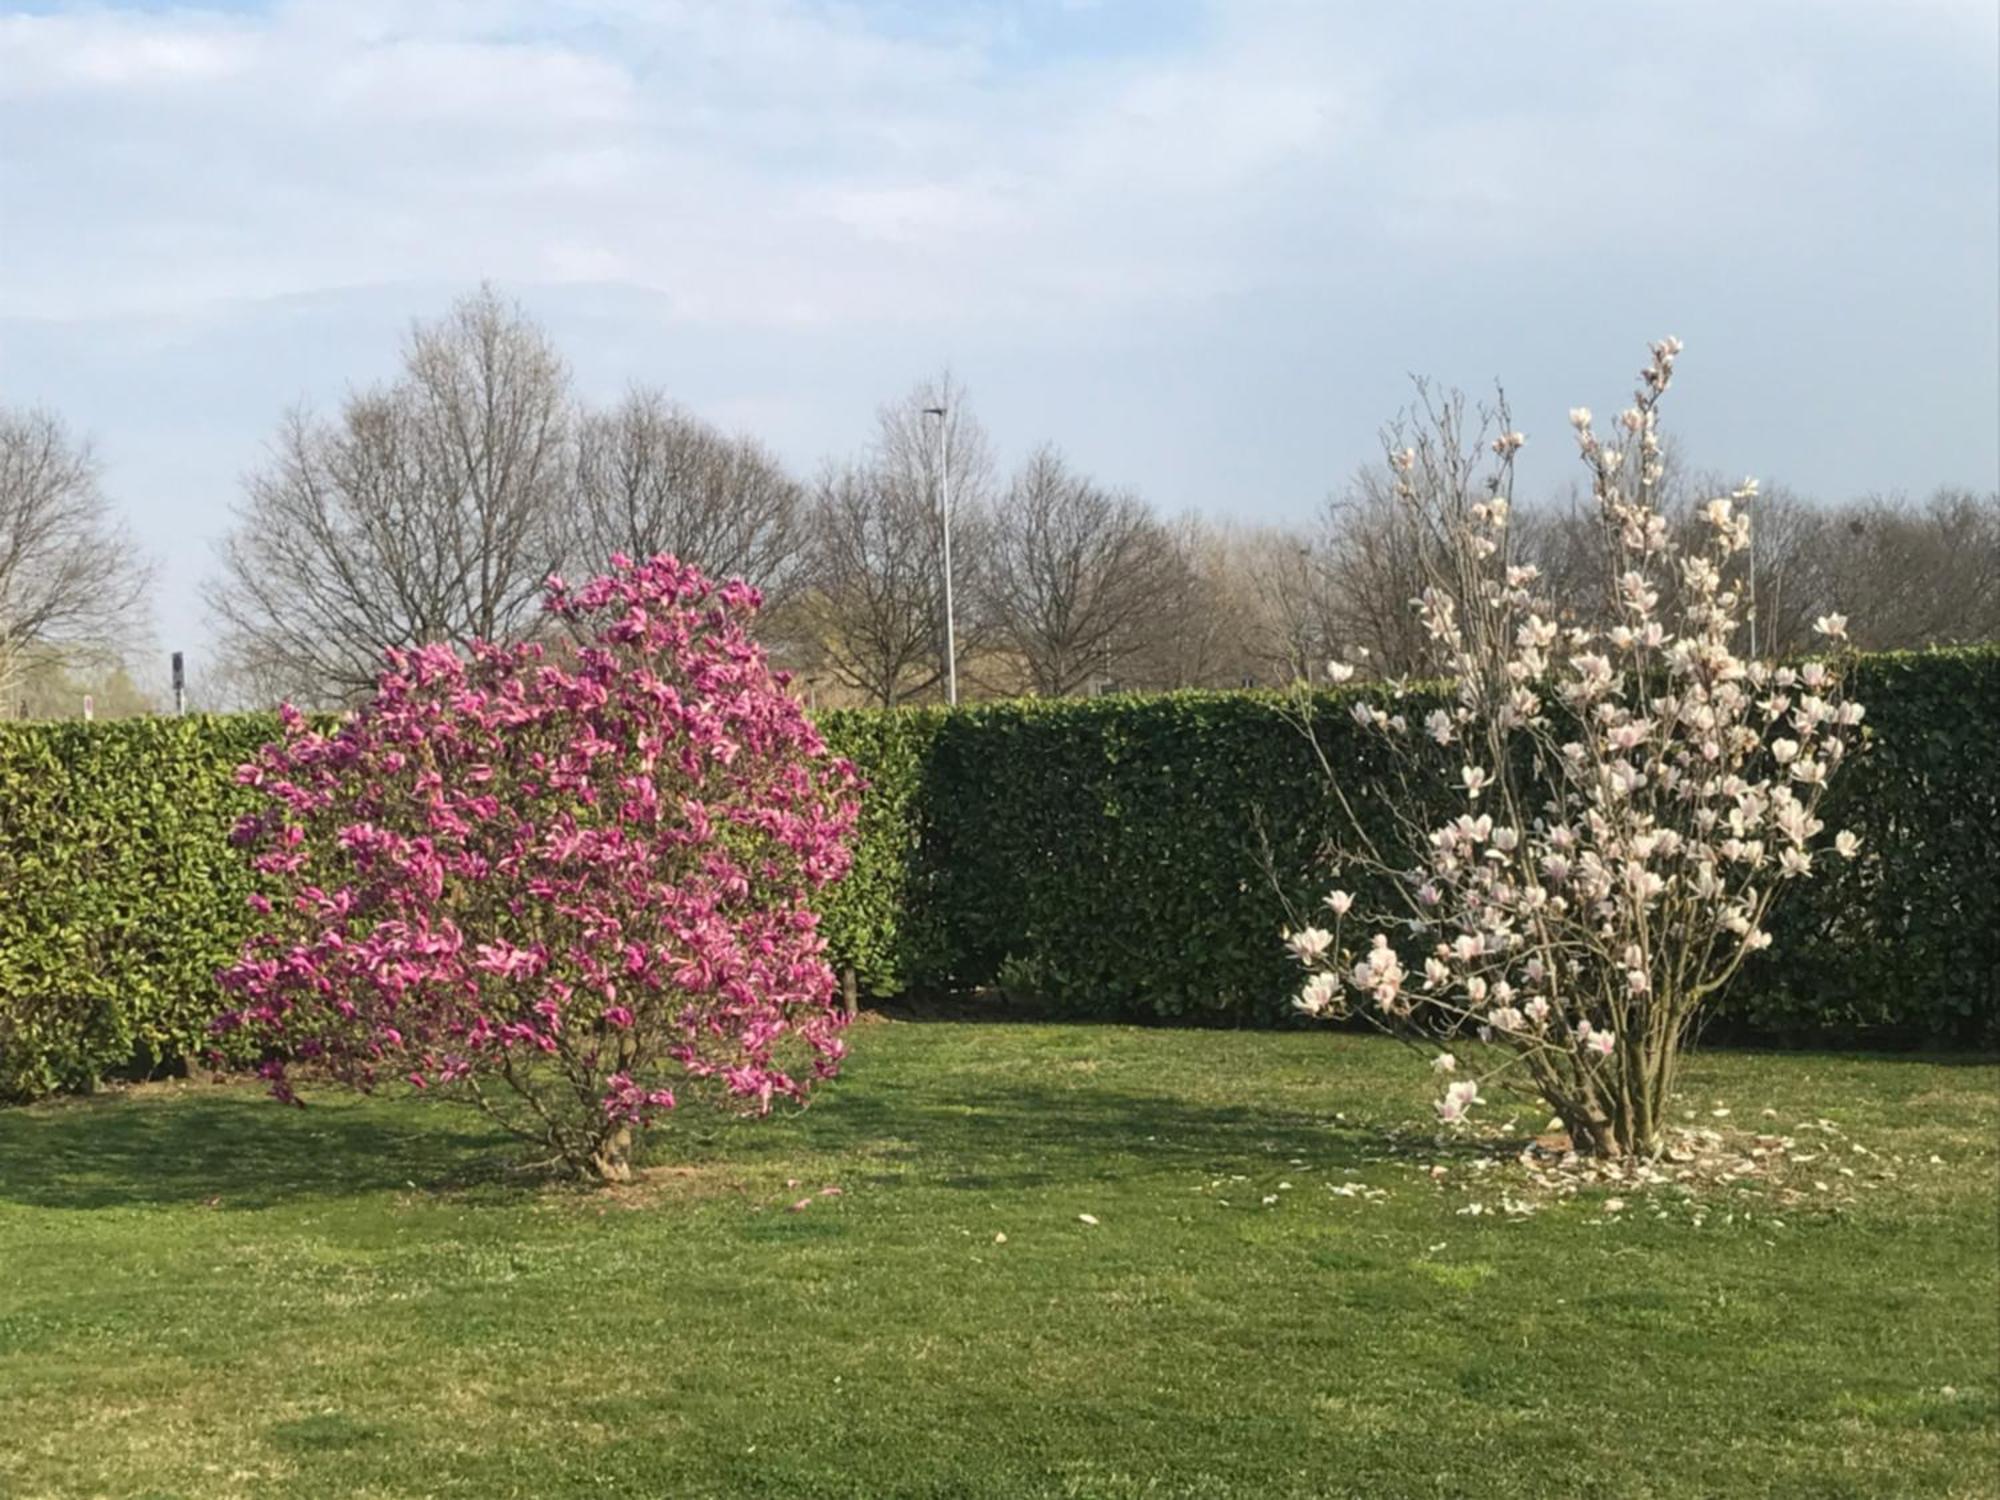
567,891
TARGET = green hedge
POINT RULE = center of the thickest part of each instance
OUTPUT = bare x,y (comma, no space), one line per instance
1903,943
1112,857
1108,856
120,895
871,915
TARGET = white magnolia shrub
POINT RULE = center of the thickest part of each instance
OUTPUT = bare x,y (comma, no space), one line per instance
1635,793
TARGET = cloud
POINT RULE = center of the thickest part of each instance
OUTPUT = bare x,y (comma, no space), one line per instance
1199,242
766,161
784,161
792,163
103,53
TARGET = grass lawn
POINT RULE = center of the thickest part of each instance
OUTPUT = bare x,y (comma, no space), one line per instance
204,1294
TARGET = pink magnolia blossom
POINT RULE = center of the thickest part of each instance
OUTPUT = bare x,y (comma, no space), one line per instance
569,884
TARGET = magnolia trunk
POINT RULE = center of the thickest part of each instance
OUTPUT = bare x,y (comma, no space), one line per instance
610,1160
1619,1110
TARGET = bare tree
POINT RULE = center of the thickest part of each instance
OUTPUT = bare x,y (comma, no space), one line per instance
652,477
873,597
49,689
1787,565
1910,575
910,456
1284,593
1347,587
1199,631
1364,567
428,512
72,583
1077,575
1915,576
876,580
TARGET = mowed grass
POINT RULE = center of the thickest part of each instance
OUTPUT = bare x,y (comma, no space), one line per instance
204,1294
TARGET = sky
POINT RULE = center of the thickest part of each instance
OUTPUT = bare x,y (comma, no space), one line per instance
1201,245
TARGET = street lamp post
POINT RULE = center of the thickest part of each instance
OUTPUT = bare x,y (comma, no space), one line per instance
944,513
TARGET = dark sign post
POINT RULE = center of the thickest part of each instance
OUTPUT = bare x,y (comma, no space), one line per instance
180,684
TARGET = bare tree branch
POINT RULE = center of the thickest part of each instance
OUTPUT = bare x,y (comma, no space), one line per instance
652,477
1078,576
72,584
427,512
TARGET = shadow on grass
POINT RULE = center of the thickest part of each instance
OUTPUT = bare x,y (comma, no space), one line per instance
1823,1056
233,1149
1026,1134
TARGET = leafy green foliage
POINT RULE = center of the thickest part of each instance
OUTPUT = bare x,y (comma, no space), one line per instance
120,896
1117,856
1114,856
1109,854
1905,941
868,915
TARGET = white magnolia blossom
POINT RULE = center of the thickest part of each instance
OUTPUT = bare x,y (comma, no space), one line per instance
1574,918
1458,1098
1309,944
1380,973
1321,995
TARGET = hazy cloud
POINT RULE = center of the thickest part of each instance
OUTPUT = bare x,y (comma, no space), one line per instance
1198,244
